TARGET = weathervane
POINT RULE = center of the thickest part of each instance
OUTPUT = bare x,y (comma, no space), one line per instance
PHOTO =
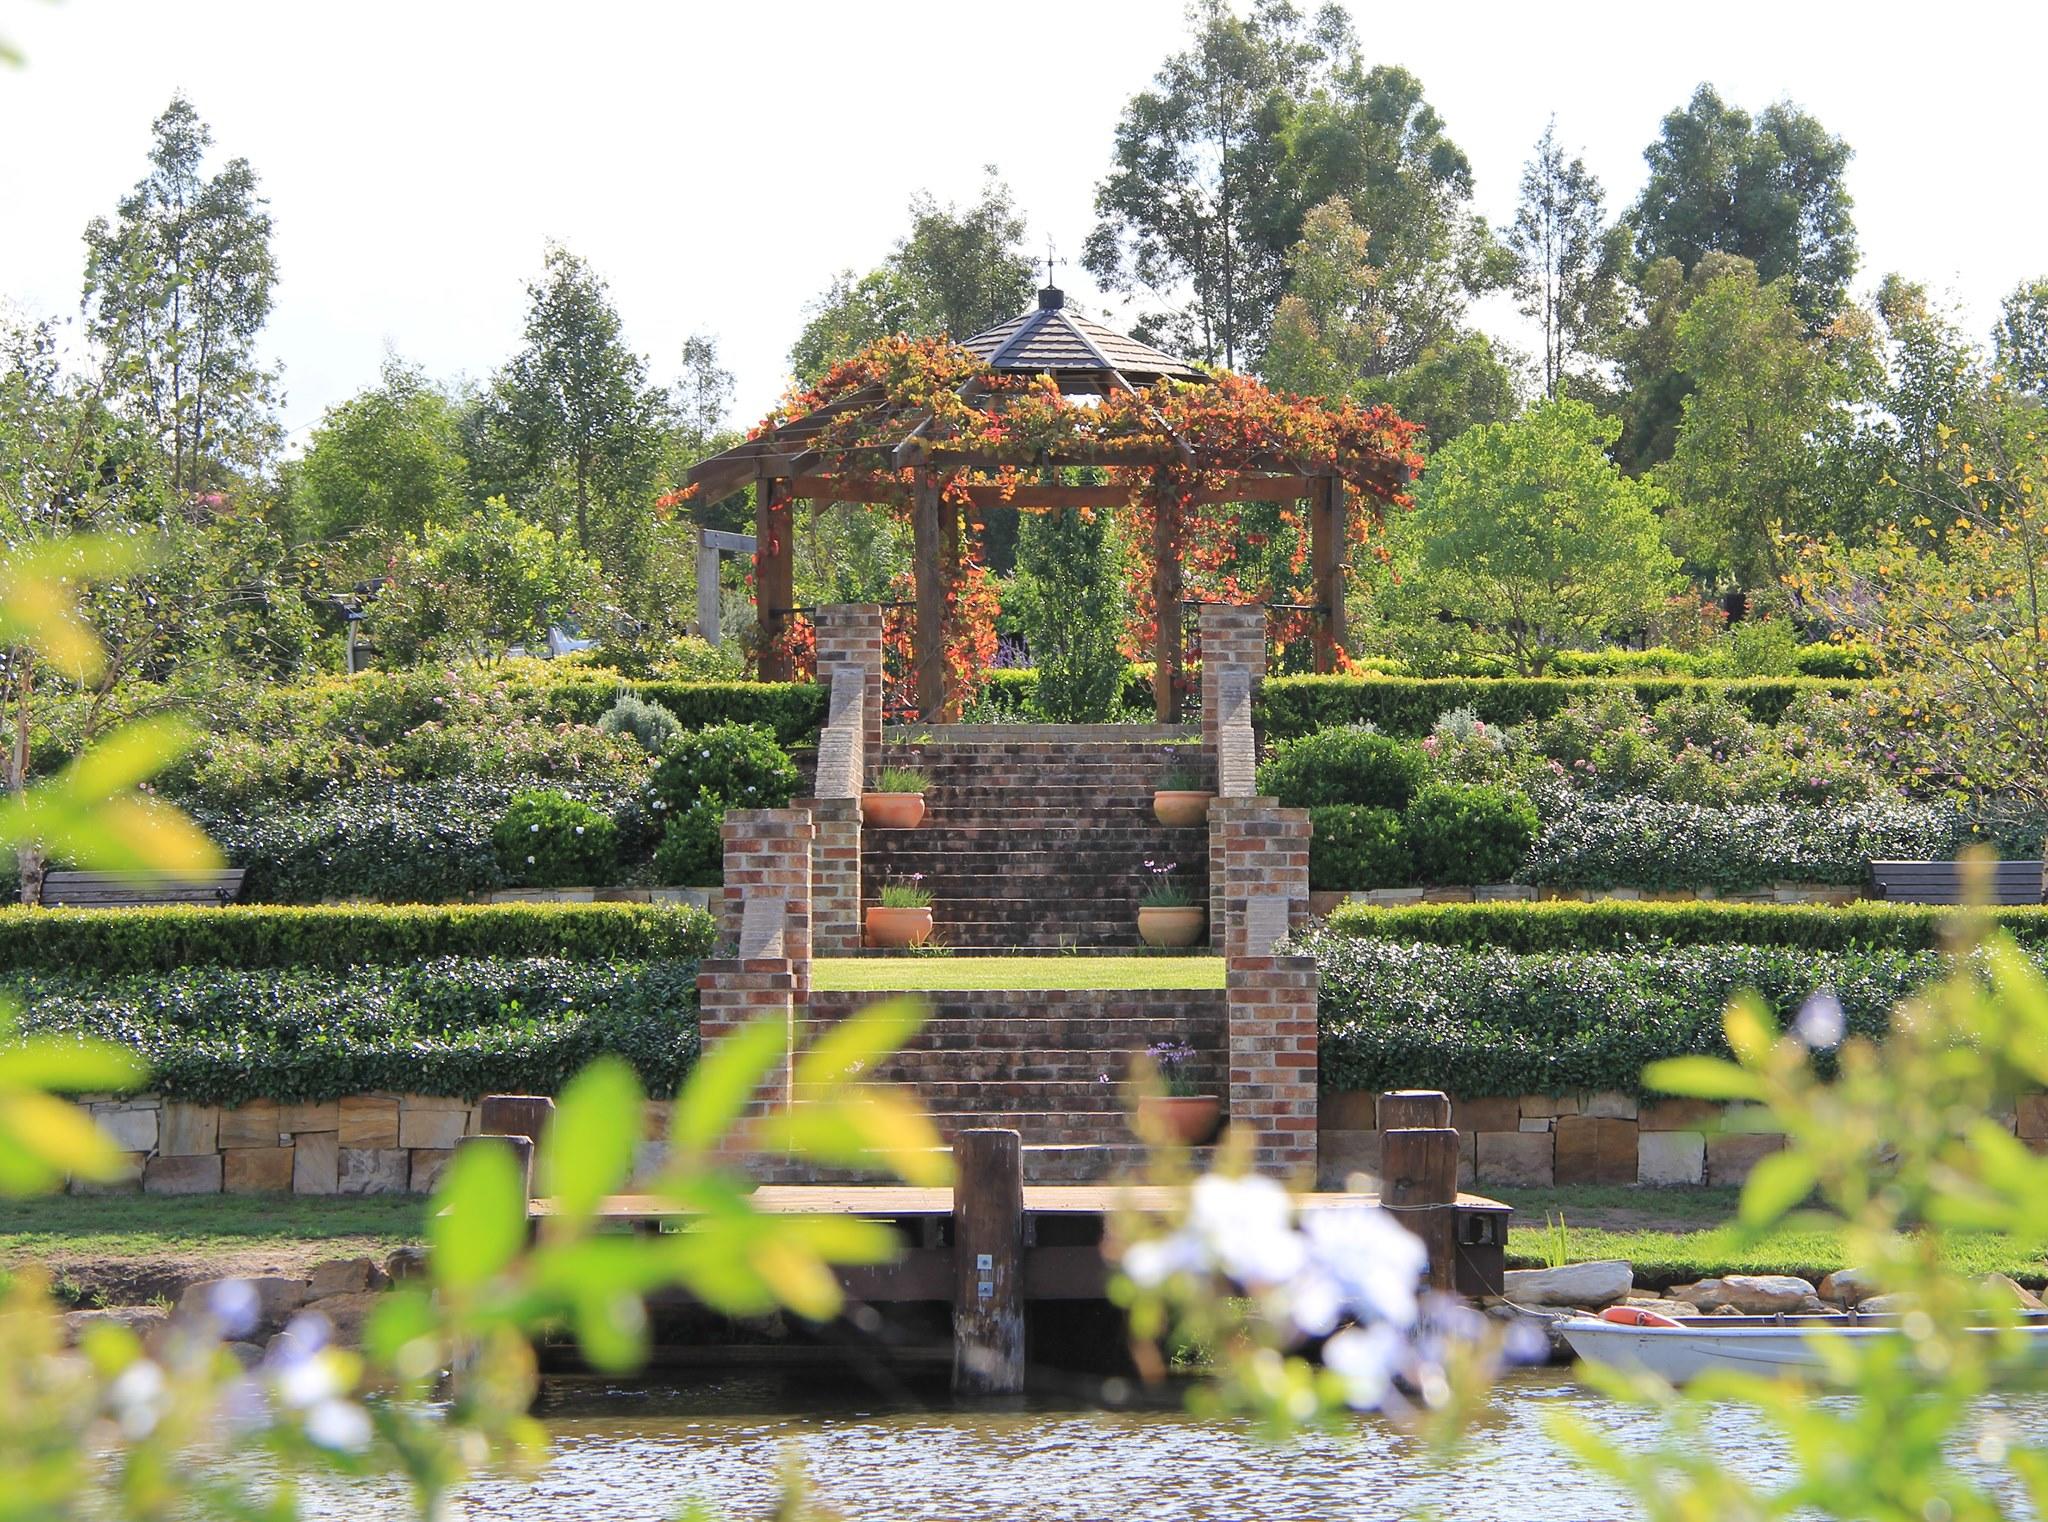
1049,262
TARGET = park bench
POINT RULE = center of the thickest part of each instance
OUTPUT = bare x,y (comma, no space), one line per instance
1941,882
127,890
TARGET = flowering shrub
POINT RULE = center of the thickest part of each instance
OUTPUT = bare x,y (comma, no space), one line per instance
1479,1022
1647,843
727,766
1162,889
548,841
1349,765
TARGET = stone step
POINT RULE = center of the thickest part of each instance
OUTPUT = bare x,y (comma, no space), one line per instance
1090,1068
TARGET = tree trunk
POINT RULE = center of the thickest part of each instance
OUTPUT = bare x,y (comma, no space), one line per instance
28,857
583,503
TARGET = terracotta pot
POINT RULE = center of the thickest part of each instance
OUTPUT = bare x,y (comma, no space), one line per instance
1190,1119
891,811
1180,810
899,927
1172,927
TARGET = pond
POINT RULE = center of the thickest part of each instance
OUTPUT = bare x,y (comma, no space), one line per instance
631,1453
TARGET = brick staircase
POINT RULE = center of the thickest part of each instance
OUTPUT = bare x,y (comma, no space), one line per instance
1035,836
1037,1061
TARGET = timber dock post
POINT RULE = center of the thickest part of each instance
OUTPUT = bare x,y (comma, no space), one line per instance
988,1263
1419,1174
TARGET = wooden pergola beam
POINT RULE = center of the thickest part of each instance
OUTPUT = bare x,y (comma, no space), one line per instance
928,575
1036,494
1326,537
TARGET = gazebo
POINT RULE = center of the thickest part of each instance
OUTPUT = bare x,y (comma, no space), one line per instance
1001,420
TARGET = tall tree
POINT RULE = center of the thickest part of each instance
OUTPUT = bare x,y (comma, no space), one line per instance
575,408
1746,466
1526,531
1568,262
2020,339
957,272
1769,188
387,460
177,287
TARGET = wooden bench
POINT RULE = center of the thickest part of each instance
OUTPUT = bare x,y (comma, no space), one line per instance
1941,882
128,890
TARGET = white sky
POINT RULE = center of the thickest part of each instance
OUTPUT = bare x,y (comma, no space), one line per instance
717,162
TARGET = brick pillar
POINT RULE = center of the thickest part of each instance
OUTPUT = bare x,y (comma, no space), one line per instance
850,634
835,876
1233,639
733,992
768,859
1257,851
1272,1044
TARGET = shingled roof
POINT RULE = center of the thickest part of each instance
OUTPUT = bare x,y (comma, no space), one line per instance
1051,340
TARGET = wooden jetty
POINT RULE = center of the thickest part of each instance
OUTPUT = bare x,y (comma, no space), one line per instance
991,1245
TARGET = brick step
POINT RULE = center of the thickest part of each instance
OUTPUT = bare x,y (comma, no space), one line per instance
1042,1162
1086,1068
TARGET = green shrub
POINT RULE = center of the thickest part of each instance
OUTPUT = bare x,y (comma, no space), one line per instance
1468,834
793,711
1408,706
691,852
1649,843
1348,765
740,764
1013,690
1400,1015
446,1025
1660,660
1353,847
649,723
1852,660
151,940
548,841
1614,925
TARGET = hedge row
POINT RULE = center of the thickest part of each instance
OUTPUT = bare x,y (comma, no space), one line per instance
1296,705
1489,1022
1564,926
1010,690
448,1026
119,941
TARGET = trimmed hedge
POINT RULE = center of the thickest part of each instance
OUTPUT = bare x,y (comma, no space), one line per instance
112,942
1617,926
1401,1015
1352,845
449,1025
1010,689
1408,706
1342,765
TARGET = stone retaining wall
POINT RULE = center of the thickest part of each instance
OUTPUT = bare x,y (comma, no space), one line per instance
1323,901
1544,1139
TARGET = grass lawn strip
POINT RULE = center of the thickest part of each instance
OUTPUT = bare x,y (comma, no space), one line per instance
1027,974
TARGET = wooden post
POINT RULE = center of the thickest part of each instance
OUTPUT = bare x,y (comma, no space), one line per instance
988,1263
1419,1182
774,577
524,1115
1326,512
928,647
522,1154
1167,586
1405,1109
707,590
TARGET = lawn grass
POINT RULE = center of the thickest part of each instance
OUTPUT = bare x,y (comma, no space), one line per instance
1026,974
67,1227
1673,1236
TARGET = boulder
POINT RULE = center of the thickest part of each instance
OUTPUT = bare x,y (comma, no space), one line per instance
1586,1286
1750,1294
1663,1306
345,1315
145,1321
1848,1287
270,1299
344,1276
2012,1290
1886,1305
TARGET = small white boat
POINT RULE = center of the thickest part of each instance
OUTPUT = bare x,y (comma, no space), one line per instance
1686,1347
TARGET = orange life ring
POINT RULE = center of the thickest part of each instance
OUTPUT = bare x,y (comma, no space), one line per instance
1635,1315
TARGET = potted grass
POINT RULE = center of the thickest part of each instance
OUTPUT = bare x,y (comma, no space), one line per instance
1180,802
1167,912
896,801
904,916
1181,1112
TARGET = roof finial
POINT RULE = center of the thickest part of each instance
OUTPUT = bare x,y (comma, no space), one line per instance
1052,298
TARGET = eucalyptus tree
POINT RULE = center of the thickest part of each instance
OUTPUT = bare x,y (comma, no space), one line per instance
1568,260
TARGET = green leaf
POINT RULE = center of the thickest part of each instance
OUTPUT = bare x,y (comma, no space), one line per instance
79,1066
478,1219
1702,1078
46,1138
1778,1182
860,1041
725,1078
591,1140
